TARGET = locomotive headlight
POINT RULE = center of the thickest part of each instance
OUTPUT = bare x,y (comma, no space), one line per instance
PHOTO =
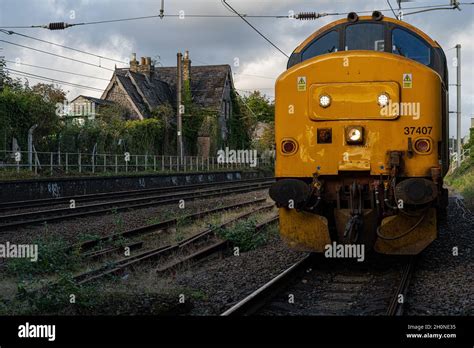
324,100
383,100
354,135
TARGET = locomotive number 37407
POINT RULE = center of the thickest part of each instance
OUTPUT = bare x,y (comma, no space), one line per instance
417,130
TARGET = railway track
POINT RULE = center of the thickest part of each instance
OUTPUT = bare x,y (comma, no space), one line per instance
14,221
395,307
166,258
48,202
338,293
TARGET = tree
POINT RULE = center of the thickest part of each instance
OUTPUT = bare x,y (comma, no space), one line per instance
21,108
165,113
241,123
261,106
50,93
3,73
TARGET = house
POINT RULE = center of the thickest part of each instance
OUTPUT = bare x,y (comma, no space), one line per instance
143,87
83,107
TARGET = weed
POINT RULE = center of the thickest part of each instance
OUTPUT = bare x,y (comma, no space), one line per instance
243,235
52,258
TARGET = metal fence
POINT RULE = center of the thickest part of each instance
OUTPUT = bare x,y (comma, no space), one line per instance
55,162
465,154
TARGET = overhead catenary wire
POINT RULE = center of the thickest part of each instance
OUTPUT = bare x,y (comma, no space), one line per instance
220,16
44,78
10,32
142,18
254,28
56,70
56,55
389,4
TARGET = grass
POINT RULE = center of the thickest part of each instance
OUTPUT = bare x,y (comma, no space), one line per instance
462,180
52,258
243,235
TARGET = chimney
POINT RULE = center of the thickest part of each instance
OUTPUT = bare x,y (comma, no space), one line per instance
133,63
146,67
186,67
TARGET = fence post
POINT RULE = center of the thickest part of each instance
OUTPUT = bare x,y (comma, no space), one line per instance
146,162
105,163
36,163
154,163
51,162
162,163
136,163
79,162
67,160
116,168
93,162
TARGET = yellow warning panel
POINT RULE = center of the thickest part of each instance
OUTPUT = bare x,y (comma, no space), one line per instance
407,81
304,231
301,83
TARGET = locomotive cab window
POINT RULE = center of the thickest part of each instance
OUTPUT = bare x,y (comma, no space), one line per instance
365,36
327,43
410,46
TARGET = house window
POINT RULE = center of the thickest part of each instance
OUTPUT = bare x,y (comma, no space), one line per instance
226,109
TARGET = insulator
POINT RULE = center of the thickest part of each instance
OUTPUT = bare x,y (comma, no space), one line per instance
57,26
308,15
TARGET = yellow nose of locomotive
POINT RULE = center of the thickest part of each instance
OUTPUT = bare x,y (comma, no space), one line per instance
353,101
348,117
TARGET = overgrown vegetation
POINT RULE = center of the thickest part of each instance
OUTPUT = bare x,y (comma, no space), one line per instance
22,107
243,235
462,180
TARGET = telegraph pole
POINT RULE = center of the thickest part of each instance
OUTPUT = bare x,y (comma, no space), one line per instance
458,107
180,106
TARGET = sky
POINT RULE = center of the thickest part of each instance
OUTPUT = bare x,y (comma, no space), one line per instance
209,40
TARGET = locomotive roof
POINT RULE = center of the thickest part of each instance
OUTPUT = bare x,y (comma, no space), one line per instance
330,26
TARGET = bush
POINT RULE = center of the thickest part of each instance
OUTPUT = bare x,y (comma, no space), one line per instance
243,235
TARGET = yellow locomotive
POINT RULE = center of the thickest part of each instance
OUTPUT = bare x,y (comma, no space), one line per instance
361,132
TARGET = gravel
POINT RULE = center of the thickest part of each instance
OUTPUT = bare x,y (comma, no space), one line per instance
228,281
443,283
